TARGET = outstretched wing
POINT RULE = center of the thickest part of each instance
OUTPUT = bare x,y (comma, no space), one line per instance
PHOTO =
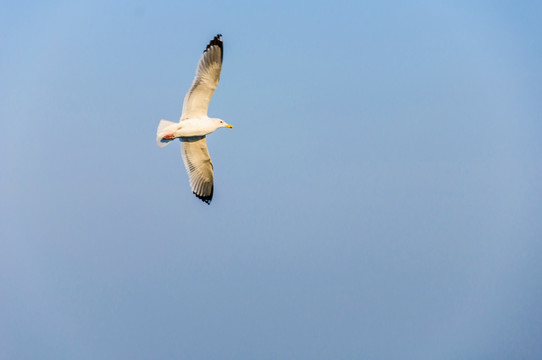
198,166
196,101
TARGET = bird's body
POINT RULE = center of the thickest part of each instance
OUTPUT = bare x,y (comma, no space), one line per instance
194,124
189,127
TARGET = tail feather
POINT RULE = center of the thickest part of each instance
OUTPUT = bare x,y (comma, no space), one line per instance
162,131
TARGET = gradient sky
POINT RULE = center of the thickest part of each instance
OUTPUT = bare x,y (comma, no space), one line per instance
378,198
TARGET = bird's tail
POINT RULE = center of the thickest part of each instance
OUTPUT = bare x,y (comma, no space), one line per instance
163,131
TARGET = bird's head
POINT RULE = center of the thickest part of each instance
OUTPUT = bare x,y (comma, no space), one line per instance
222,123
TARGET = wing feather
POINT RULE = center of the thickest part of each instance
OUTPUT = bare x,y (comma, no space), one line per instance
199,166
196,101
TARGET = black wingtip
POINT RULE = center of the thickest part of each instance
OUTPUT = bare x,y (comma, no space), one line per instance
206,198
217,41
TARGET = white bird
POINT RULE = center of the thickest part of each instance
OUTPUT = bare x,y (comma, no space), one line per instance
195,124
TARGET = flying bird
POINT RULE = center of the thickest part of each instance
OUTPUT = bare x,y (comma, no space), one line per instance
194,124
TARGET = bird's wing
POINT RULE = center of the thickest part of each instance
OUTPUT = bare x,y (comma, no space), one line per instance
198,97
198,166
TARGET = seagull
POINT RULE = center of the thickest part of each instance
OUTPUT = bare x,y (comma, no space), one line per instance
194,124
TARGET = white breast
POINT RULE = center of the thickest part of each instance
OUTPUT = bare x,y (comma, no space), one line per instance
195,127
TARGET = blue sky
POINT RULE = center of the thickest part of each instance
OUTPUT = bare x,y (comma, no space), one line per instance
379,196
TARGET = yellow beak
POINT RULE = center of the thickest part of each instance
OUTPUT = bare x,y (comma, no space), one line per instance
229,126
